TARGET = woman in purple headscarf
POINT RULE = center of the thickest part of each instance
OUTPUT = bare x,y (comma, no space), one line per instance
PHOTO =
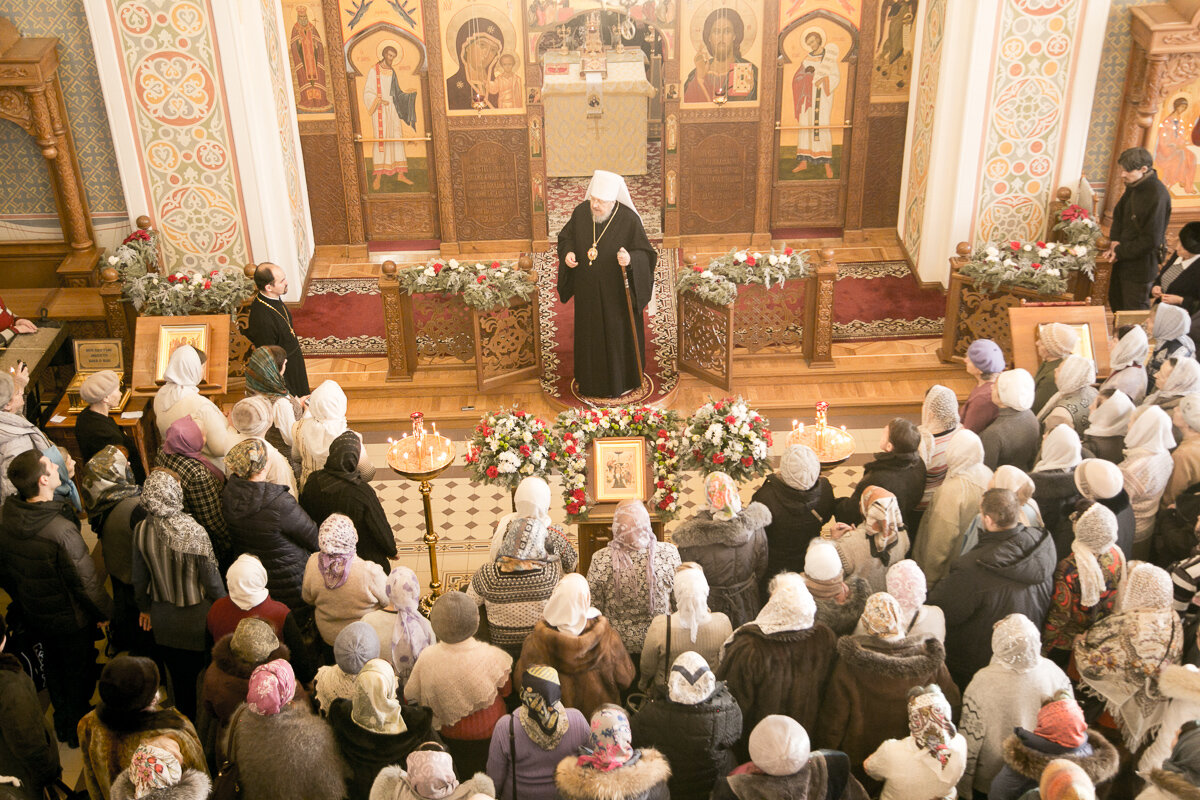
340,585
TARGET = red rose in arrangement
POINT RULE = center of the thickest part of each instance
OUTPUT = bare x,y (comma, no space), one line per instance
492,472
718,458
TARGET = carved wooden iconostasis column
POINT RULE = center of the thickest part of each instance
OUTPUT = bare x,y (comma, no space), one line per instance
31,97
1160,104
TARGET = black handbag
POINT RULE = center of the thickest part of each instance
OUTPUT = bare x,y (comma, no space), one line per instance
227,784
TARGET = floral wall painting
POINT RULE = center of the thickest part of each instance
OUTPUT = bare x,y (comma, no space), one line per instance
482,60
816,100
1177,143
392,121
308,56
891,78
721,43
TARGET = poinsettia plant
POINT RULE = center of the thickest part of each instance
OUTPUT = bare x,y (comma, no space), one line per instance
728,436
507,446
180,293
484,286
660,429
1077,227
718,282
1041,266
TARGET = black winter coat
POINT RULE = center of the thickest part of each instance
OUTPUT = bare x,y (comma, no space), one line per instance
700,736
326,492
1056,496
1139,226
1126,523
266,521
46,568
796,519
27,750
902,474
367,752
1008,572
95,431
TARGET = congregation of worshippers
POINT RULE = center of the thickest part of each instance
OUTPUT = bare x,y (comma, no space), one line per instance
1004,606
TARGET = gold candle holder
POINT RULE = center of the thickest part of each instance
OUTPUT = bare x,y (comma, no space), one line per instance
832,445
422,456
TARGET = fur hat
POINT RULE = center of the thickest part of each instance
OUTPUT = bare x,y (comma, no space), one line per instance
454,618
822,562
253,641
986,355
357,644
128,683
99,385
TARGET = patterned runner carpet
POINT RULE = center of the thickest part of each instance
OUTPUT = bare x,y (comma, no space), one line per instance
563,194
341,317
882,300
558,328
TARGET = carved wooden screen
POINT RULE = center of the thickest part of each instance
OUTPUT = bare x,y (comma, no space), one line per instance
506,344
706,340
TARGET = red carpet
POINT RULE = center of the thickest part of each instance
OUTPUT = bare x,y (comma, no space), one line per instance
341,317
882,300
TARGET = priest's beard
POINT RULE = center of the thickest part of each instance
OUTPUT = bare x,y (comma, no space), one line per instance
604,219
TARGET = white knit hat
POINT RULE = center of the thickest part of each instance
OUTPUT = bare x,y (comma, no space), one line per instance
1058,339
1098,479
822,561
779,745
800,468
1016,389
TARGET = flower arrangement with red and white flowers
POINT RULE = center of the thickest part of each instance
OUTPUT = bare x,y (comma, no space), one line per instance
1041,266
660,429
180,293
717,283
484,285
1077,226
728,436
507,446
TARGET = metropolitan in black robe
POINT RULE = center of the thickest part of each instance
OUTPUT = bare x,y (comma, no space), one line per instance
271,323
606,364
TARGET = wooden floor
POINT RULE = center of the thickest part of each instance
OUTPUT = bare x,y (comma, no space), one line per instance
867,379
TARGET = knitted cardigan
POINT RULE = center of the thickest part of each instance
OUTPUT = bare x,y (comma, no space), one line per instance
514,600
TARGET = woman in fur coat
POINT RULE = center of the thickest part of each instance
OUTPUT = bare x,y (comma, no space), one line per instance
1179,776
280,747
866,698
696,723
609,768
730,544
128,716
778,663
430,776
576,639
1061,732
156,774
840,600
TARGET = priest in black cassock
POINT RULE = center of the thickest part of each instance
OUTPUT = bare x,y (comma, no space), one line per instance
271,323
603,240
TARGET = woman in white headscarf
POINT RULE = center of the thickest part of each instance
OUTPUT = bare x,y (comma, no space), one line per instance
1085,582
778,662
930,760
692,627
1006,694
1121,656
1055,341
1147,469
1054,483
906,583
373,729
1169,326
1127,360
729,543
577,640
939,421
631,578
1014,435
532,499
1108,423
1073,378
323,422
954,505
801,501
879,541
695,722
179,397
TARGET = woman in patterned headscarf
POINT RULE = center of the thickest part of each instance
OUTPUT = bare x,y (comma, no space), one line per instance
730,544
631,579
939,421
430,776
155,773
930,760
906,582
878,542
175,577
264,378
281,748
342,586
112,501
403,631
608,767
528,744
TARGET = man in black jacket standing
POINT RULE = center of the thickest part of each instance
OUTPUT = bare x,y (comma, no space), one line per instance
49,572
271,323
1138,231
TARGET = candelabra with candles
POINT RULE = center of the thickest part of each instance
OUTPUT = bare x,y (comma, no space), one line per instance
422,456
832,445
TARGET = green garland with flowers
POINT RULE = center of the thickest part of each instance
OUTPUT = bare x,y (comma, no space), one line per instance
718,282
181,293
508,446
483,286
1043,267
728,436
577,429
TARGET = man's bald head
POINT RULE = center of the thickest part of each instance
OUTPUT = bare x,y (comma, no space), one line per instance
270,279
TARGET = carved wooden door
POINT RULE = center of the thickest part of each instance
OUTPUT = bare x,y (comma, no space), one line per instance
507,347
